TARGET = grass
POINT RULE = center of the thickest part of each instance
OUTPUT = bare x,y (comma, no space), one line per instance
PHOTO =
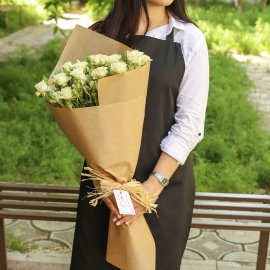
18,242
33,148
235,153
227,29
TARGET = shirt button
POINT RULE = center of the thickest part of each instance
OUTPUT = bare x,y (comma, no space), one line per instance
199,134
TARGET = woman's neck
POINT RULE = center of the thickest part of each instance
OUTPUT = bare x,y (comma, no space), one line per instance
157,17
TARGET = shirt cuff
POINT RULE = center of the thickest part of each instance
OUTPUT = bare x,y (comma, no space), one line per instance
174,149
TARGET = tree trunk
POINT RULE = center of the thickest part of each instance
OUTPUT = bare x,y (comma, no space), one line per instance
264,3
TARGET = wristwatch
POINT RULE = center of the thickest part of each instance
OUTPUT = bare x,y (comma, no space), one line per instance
162,179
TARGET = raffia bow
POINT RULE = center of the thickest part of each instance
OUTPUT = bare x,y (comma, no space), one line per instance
107,185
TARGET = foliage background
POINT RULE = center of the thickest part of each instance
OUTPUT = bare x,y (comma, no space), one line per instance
234,155
227,29
33,148
32,13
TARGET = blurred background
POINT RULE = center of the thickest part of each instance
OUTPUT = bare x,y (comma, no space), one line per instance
235,153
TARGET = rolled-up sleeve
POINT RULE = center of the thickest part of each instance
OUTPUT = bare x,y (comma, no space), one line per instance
188,129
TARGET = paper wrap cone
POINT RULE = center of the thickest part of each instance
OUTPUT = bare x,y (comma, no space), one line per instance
108,136
125,254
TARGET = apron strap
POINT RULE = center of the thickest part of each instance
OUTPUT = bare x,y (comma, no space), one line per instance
170,37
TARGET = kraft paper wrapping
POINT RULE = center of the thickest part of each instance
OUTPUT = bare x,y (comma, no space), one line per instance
129,254
108,136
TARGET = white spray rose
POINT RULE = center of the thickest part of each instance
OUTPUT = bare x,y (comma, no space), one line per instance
41,87
61,78
145,59
98,59
80,65
66,93
57,95
78,74
114,58
67,65
119,67
99,73
134,56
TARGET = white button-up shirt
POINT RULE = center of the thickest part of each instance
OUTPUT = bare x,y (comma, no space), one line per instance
193,90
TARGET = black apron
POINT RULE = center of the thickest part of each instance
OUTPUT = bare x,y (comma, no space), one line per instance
175,203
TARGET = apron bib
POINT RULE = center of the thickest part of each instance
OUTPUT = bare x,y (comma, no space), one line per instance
175,203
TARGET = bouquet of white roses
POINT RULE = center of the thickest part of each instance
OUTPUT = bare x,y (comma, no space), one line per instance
75,84
105,84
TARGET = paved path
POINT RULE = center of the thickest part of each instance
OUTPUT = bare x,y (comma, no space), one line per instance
258,70
33,37
206,249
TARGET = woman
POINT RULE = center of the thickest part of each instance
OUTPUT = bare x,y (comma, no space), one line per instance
173,125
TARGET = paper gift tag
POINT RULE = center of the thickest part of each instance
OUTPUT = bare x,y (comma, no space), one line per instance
124,202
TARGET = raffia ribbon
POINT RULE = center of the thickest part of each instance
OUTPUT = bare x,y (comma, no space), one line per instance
107,185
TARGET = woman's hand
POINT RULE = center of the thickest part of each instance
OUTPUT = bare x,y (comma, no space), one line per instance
110,202
153,188
166,165
112,205
127,219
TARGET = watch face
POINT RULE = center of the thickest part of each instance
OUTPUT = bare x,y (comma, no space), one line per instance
165,182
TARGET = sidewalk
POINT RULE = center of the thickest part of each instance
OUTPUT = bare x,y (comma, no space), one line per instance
33,37
206,249
258,70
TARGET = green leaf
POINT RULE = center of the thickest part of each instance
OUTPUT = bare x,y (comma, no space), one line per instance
62,32
55,29
47,5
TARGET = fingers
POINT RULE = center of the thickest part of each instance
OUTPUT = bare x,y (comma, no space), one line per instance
112,207
128,219
123,219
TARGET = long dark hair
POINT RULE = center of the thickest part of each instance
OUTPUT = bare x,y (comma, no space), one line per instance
122,22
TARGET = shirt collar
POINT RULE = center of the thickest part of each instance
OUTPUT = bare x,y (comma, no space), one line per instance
174,23
162,31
